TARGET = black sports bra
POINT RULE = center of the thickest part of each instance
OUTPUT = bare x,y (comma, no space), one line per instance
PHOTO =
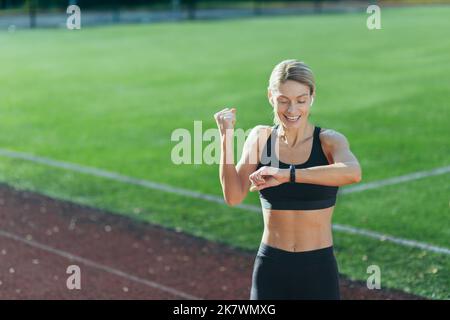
296,196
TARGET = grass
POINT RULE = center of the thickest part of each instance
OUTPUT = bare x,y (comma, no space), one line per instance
110,98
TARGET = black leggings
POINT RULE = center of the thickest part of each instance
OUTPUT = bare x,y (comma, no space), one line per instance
284,275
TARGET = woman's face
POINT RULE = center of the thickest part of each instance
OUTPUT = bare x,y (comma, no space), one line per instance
291,103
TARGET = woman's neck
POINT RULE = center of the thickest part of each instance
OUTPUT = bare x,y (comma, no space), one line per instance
295,136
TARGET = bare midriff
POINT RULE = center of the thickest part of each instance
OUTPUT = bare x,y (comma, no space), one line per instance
298,230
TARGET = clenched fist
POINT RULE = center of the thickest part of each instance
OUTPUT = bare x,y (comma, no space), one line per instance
225,119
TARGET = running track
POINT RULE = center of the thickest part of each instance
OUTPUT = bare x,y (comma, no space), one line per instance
119,258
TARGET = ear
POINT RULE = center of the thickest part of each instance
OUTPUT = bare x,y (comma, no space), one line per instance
269,96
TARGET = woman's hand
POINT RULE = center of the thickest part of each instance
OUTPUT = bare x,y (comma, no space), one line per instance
266,177
225,119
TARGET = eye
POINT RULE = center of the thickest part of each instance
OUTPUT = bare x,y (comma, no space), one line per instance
302,102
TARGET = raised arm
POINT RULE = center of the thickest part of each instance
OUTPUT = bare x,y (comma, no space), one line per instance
235,178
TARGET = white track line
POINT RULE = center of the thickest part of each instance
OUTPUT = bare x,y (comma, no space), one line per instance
212,198
98,266
395,180
385,237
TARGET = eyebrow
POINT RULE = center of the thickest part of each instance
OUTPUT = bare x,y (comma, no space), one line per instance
304,94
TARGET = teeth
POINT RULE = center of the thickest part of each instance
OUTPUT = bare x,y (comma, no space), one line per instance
292,118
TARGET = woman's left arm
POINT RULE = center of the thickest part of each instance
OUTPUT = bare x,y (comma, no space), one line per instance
344,170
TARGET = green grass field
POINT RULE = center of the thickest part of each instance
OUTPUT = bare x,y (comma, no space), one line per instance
110,97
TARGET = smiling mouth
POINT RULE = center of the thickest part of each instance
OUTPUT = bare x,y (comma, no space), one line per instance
292,119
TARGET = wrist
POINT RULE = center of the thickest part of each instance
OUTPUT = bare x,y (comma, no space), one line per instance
298,175
227,134
286,175
294,176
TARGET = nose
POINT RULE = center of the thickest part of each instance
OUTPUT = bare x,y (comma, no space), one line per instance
291,107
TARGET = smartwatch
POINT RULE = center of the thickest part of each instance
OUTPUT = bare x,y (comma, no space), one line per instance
292,173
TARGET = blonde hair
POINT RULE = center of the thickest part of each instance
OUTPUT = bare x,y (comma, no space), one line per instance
291,69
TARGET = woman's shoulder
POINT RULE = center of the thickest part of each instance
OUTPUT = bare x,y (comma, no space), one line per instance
257,138
262,127
260,131
330,137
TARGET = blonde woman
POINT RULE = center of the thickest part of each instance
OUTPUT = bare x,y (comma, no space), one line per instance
297,168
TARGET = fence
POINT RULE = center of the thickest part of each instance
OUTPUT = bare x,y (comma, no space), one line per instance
52,13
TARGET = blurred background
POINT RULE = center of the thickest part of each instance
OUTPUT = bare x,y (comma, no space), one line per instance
87,118
47,13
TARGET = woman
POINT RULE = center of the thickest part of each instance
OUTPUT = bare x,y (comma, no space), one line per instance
297,168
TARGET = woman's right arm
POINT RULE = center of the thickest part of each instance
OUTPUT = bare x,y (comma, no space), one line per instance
235,179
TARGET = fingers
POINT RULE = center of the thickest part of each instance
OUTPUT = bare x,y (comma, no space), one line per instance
269,182
258,187
217,114
257,177
225,118
263,178
225,114
259,174
256,180
229,115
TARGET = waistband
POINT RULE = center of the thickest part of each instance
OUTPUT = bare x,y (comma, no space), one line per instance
309,257
297,204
